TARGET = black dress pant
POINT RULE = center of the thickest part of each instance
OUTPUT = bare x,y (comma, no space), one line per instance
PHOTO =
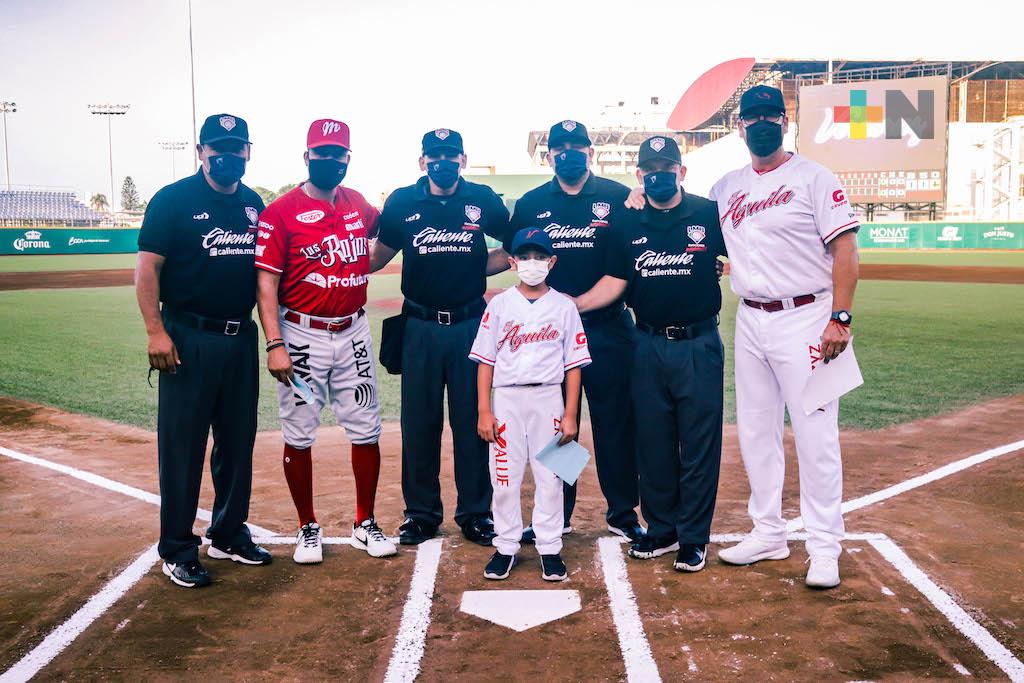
606,382
436,356
215,387
677,399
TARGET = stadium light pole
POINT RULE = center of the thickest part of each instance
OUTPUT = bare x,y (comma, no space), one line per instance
7,108
172,147
192,76
110,111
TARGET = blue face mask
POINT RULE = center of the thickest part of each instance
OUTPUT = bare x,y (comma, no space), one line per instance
444,172
661,186
226,169
570,165
327,174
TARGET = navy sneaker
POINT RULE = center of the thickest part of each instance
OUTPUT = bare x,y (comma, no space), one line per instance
245,553
690,558
650,547
499,567
189,574
552,568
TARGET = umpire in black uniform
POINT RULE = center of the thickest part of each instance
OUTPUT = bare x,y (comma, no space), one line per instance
664,259
574,208
439,225
196,254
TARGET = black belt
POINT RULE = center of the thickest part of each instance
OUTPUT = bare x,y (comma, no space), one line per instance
602,314
679,332
474,309
228,328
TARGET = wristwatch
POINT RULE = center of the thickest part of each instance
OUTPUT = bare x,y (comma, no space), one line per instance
842,317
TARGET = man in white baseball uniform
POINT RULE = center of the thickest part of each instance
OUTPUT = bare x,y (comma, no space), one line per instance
530,340
791,236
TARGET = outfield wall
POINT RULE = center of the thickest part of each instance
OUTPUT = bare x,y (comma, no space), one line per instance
922,235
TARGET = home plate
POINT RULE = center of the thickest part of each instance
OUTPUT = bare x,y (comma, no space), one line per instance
520,610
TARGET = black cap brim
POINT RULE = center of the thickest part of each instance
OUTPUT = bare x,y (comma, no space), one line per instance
761,109
225,137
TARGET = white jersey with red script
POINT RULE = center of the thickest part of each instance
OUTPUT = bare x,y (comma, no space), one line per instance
320,251
777,224
530,342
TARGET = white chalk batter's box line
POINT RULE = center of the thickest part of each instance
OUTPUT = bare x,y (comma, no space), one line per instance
410,641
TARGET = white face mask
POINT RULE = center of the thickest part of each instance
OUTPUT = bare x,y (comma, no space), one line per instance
532,271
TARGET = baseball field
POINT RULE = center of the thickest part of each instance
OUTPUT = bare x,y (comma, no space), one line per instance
933,570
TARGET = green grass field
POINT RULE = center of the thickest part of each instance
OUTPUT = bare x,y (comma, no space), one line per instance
32,264
1004,259
1013,259
925,348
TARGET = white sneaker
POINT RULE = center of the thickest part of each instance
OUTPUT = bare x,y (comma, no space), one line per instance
368,536
751,550
823,572
309,548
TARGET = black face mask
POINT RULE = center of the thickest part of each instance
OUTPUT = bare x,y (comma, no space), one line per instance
327,174
763,138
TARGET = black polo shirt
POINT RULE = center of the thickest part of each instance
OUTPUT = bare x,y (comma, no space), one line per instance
573,222
209,242
668,259
444,252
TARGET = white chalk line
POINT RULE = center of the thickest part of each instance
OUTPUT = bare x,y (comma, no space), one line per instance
111,485
920,480
636,650
411,640
65,634
956,615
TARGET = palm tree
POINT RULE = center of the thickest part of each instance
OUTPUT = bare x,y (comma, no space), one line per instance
98,202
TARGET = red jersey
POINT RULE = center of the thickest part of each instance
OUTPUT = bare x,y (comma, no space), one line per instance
320,251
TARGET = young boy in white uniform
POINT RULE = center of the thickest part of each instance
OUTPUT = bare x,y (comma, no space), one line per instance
530,340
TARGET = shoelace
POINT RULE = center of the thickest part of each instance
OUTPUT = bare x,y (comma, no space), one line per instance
374,532
310,536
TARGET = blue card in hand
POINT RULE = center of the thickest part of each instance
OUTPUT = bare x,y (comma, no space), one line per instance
566,461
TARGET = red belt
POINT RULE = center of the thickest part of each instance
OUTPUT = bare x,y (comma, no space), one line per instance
329,325
774,306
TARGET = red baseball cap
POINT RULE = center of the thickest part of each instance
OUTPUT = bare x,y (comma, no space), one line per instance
327,132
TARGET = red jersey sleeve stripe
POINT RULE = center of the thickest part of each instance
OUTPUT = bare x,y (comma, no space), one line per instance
265,266
835,232
477,356
578,363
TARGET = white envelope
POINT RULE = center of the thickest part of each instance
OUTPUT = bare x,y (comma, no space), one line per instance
829,382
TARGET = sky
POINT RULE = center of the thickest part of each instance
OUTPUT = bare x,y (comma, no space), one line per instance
394,69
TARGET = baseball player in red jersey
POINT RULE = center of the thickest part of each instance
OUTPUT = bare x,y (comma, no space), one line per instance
312,268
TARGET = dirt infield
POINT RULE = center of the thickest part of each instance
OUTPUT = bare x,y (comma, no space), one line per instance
868,271
340,619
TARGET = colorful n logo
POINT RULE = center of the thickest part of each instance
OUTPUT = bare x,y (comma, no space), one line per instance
858,114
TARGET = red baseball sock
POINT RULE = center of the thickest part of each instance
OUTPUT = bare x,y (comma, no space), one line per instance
366,468
298,470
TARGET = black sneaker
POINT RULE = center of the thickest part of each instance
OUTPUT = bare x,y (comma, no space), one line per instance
529,536
414,532
246,553
480,530
650,547
632,532
552,568
499,567
187,574
690,558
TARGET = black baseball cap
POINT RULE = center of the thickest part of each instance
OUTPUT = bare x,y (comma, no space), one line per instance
223,127
442,140
532,237
659,147
568,131
762,99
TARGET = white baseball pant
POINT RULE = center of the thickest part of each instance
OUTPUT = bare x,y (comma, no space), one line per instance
528,419
774,356
340,368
